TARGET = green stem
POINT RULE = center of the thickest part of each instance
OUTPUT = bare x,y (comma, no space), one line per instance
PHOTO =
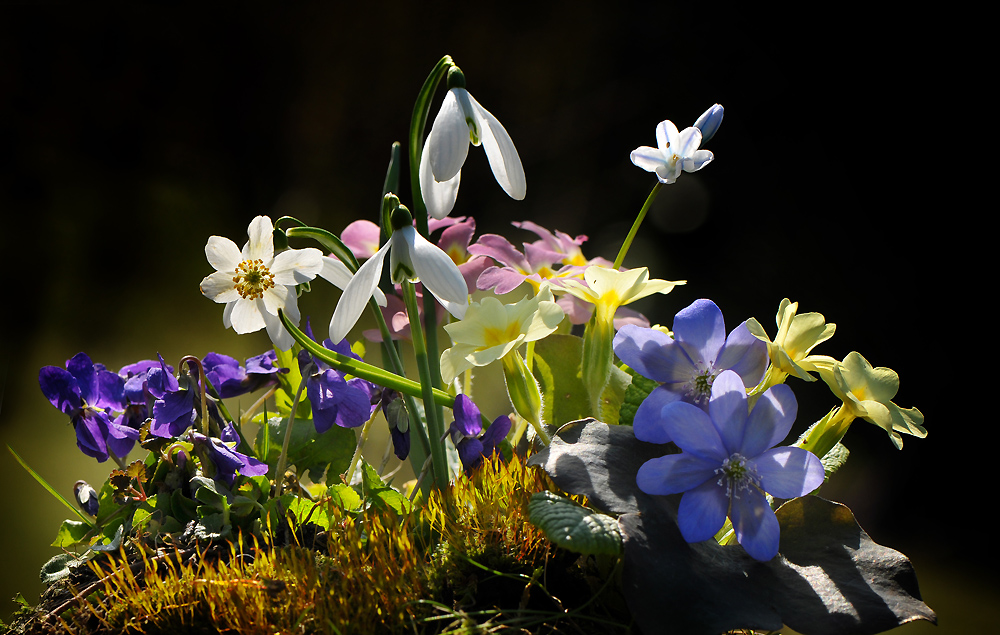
279,475
360,369
635,226
418,124
439,463
361,446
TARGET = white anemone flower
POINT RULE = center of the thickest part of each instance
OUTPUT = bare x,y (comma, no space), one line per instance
675,152
459,122
412,257
255,283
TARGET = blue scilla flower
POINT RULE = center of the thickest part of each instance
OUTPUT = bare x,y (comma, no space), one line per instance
728,462
688,363
88,393
467,433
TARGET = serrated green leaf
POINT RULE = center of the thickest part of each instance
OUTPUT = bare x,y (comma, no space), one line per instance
574,527
557,369
635,394
344,497
380,494
71,532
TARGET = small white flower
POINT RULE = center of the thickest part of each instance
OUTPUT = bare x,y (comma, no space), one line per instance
675,152
459,122
411,257
255,283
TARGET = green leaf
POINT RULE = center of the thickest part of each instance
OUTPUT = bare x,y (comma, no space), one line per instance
636,392
557,368
309,511
380,494
309,451
573,526
57,568
344,497
49,488
71,532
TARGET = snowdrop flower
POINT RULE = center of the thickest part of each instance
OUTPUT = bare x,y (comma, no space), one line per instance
413,257
255,283
675,152
459,122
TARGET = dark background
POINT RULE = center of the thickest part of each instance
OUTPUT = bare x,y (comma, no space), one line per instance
130,134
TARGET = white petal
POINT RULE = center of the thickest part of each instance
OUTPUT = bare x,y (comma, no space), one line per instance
245,316
222,253
437,272
502,154
667,137
439,196
700,159
274,298
261,243
279,335
448,141
296,266
649,159
361,287
219,287
227,315
337,273
690,139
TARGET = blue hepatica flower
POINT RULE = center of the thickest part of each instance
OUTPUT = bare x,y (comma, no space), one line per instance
231,380
334,399
88,393
225,459
688,363
728,463
467,433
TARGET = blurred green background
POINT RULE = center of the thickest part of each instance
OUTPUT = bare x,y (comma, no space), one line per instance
129,134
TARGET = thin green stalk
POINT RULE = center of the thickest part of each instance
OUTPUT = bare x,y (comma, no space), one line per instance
360,369
361,446
279,473
635,226
434,425
50,489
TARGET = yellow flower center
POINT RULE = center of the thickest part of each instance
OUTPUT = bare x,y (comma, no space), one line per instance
496,336
252,279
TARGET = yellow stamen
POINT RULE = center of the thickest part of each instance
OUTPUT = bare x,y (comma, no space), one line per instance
252,279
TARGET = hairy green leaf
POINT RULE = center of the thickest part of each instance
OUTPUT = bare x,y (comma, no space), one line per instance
573,526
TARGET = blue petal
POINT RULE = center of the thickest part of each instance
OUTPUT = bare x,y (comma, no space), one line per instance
647,424
60,388
701,331
770,420
467,417
653,354
693,431
674,473
744,354
470,451
702,511
728,409
789,472
755,524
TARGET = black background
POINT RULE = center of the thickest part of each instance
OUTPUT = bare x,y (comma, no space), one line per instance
129,134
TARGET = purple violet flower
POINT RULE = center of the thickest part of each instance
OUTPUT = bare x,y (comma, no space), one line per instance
224,458
467,433
396,416
687,364
178,402
334,399
231,380
728,462
88,393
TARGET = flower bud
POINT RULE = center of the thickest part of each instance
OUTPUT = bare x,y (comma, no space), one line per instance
709,122
86,497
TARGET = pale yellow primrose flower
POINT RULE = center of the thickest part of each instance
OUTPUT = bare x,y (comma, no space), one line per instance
490,330
797,335
867,393
607,289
